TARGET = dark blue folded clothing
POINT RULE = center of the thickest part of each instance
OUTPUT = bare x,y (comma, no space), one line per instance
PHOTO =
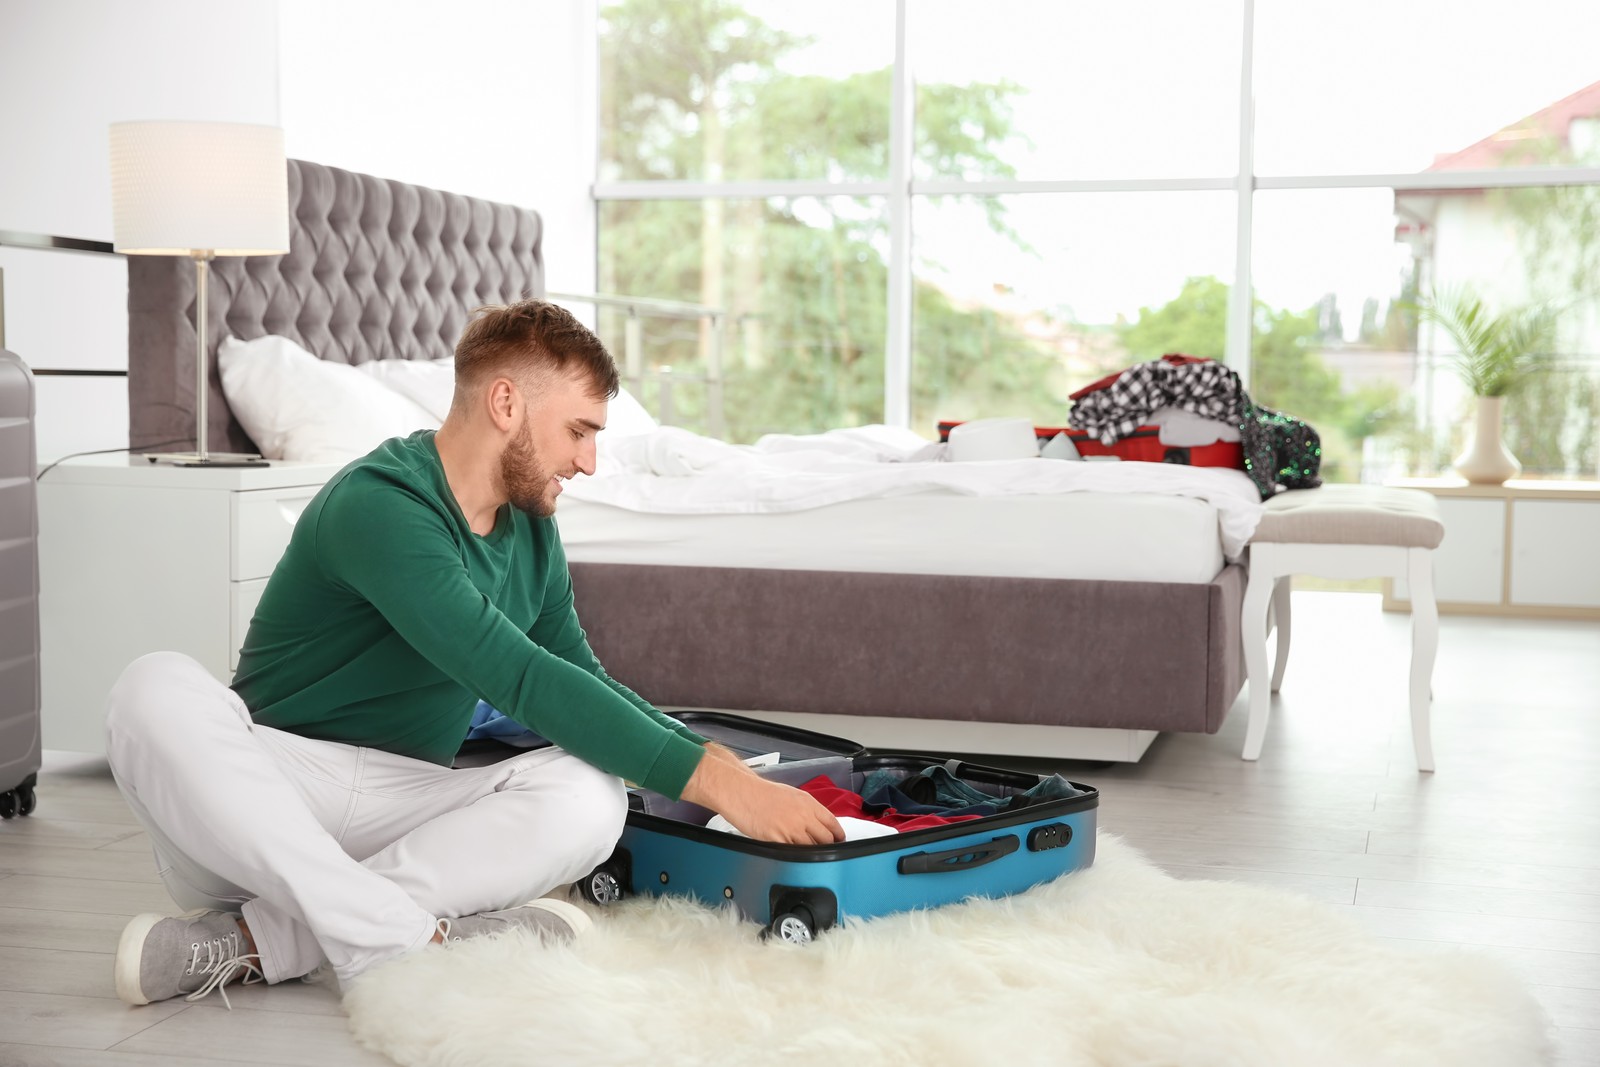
935,791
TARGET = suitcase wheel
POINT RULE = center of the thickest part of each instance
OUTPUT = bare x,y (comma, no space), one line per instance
795,926
603,886
20,800
800,913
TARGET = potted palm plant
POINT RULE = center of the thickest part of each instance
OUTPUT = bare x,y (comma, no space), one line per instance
1494,355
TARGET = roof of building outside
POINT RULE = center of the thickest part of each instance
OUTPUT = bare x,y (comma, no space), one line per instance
1552,123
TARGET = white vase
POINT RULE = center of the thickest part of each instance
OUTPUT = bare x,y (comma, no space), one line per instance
1486,460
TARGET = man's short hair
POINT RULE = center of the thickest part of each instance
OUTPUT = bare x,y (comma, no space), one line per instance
532,337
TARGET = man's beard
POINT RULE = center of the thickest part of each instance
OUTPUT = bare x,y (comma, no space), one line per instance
524,479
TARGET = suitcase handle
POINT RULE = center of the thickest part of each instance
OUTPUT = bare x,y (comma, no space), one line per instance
958,859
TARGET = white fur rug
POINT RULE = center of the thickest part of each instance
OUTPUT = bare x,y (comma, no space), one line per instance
1116,966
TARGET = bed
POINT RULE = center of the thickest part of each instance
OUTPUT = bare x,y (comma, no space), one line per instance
1073,625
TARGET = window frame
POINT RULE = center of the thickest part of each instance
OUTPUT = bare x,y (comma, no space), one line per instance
900,191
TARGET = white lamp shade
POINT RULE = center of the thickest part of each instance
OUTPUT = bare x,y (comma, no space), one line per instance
181,187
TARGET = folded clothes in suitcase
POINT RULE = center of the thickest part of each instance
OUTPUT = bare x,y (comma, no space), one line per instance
797,891
1143,445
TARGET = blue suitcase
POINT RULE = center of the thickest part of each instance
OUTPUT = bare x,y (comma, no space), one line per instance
798,891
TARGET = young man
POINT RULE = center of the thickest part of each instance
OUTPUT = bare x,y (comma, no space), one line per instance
311,811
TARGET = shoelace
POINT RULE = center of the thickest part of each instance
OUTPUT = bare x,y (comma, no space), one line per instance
223,962
446,926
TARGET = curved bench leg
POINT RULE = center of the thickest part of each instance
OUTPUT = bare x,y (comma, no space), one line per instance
1280,608
1253,632
1424,649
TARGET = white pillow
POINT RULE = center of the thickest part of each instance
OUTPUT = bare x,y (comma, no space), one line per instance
626,417
429,383
295,406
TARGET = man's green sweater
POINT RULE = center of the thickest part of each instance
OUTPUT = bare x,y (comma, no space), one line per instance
388,619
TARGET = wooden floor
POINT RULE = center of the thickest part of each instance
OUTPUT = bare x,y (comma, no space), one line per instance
1500,849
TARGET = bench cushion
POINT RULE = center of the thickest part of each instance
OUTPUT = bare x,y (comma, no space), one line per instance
1352,515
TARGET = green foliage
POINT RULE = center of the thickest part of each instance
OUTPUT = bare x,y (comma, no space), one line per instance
1286,372
976,363
670,67
1494,354
1551,421
1558,226
1398,331
694,89
1195,323
1552,417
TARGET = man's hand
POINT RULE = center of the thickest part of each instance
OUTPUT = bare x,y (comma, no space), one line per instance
766,811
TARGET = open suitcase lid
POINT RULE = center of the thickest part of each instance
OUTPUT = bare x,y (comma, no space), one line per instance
749,738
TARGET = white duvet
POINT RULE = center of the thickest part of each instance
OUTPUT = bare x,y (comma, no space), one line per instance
674,471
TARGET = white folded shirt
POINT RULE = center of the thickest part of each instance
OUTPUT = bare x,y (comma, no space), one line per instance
854,829
1185,429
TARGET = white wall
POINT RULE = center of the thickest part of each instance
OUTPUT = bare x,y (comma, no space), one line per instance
68,69
488,98
492,98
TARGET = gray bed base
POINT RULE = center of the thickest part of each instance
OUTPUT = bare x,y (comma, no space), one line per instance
1017,666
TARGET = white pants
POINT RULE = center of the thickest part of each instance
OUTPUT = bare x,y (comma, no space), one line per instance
336,852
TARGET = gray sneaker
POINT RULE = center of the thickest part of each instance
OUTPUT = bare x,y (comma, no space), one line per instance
160,957
551,919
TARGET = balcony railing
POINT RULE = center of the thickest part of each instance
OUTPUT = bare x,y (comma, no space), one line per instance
636,374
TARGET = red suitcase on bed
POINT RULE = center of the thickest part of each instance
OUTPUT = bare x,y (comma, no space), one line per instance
1142,445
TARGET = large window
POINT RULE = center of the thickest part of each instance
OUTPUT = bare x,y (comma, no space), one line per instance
905,212
1073,90
707,90
1376,87
1379,384
800,282
1022,299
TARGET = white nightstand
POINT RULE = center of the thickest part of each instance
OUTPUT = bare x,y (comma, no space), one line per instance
1522,548
136,557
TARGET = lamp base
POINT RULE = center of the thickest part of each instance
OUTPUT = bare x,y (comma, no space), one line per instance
210,459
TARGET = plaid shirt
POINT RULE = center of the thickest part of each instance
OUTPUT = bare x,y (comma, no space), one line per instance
1208,389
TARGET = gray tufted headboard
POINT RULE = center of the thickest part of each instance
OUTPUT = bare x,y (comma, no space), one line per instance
376,269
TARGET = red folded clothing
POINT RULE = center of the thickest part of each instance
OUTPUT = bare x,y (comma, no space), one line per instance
843,802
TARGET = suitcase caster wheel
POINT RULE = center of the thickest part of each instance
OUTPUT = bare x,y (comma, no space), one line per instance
795,926
601,887
8,803
27,800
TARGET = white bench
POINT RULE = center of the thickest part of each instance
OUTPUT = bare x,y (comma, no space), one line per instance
1341,531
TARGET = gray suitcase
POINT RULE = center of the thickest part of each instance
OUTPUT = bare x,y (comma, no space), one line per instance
19,591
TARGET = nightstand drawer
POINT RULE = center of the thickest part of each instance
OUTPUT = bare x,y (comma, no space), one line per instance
263,519
244,596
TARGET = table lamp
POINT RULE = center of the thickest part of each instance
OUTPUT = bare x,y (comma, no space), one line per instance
199,189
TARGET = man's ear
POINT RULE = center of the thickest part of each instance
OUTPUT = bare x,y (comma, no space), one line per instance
504,401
